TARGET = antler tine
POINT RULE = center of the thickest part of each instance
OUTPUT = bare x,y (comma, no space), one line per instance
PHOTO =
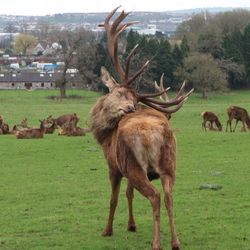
113,32
181,89
164,96
131,79
169,103
165,110
163,105
129,60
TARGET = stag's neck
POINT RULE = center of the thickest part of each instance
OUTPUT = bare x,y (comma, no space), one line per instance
102,124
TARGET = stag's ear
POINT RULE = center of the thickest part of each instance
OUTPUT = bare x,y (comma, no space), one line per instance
107,79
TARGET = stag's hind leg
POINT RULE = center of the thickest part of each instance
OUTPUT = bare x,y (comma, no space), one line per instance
130,196
167,184
115,180
139,180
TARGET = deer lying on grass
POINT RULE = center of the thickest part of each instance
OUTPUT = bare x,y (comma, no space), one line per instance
239,114
33,133
138,144
4,127
71,129
53,126
76,131
212,118
23,124
64,119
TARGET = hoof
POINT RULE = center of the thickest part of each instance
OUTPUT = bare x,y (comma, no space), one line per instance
107,233
175,248
132,228
157,247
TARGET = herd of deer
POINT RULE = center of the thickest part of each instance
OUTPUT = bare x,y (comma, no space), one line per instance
212,122
67,125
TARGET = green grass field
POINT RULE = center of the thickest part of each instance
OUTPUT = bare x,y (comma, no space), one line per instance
54,192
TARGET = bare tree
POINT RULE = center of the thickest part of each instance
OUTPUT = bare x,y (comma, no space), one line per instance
69,42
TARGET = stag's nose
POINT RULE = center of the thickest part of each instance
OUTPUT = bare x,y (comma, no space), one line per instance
131,108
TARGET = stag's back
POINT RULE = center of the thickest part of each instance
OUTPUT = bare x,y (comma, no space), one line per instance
143,137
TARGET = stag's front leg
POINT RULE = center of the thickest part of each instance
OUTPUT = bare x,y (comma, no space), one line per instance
115,180
130,196
167,184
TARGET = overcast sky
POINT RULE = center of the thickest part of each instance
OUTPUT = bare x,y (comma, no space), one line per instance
45,7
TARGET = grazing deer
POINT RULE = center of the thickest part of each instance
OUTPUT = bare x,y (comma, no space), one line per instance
137,144
33,133
64,119
213,119
239,114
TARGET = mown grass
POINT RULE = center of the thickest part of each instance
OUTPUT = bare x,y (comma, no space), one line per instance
55,191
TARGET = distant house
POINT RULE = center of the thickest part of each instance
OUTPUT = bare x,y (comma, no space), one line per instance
36,80
150,30
44,48
39,49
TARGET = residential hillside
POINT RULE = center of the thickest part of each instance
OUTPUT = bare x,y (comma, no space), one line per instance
166,22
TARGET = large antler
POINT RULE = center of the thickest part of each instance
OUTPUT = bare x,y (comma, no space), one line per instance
113,32
164,104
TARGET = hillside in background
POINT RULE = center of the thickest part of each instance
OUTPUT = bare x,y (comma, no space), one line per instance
164,21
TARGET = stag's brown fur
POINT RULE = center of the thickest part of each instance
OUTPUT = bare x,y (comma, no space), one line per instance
33,133
239,114
137,145
212,118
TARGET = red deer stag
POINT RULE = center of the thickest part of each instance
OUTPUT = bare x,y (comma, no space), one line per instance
33,133
239,114
138,144
213,119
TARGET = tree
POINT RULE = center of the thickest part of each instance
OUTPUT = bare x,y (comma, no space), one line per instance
232,46
90,57
203,73
210,42
246,49
23,42
69,42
